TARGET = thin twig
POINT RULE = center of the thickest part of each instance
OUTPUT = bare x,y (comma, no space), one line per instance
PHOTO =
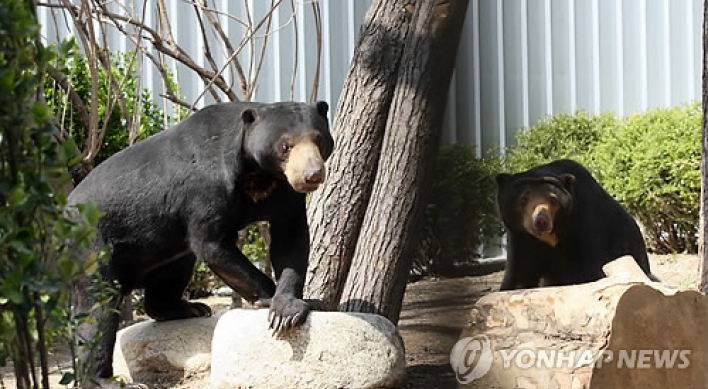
174,51
238,50
63,82
294,74
229,47
318,25
207,49
261,58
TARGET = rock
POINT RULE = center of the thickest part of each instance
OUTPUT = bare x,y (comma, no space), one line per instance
224,291
331,350
623,331
164,353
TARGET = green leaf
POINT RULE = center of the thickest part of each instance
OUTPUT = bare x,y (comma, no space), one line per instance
41,112
17,196
68,267
67,378
14,296
91,265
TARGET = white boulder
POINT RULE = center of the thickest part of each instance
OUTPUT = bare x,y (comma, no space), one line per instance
164,353
331,350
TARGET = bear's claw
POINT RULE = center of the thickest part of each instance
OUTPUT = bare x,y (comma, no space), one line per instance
285,313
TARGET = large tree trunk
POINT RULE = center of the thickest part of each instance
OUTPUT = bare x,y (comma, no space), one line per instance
337,210
389,233
369,213
703,225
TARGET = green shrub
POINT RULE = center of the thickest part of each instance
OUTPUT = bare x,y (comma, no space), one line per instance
203,283
255,247
651,164
72,63
557,137
461,211
37,237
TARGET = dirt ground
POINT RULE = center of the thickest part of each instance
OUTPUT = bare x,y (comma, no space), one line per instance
433,315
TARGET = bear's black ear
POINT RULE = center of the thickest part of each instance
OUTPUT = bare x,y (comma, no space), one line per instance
249,116
567,179
322,108
502,179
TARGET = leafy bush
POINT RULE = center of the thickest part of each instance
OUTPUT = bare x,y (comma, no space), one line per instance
557,137
73,64
461,212
651,164
36,235
203,283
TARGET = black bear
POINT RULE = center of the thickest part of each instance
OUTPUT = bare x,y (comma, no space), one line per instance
562,227
184,193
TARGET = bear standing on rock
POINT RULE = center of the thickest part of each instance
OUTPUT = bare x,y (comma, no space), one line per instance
562,227
184,193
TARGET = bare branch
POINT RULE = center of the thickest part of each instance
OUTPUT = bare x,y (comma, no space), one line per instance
213,10
262,56
207,49
252,51
243,83
294,75
238,50
86,36
76,100
178,101
160,44
318,24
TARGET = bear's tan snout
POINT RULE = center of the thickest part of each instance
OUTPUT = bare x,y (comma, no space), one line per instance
305,167
538,221
542,221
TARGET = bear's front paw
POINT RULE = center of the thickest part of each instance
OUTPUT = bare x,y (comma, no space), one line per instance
199,309
182,310
286,312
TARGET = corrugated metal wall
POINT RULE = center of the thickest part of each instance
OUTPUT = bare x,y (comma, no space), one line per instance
522,60
519,60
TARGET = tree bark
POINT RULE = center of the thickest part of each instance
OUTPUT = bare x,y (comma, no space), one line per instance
336,211
624,313
703,225
384,251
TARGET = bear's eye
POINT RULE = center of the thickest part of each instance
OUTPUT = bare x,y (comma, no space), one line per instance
553,200
523,200
285,147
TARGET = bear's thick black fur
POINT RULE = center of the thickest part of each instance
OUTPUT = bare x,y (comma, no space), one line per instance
562,227
184,193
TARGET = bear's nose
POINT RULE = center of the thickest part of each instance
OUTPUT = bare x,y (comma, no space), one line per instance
540,222
314,176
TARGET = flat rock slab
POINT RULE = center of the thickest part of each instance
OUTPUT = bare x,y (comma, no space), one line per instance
331,350
164,353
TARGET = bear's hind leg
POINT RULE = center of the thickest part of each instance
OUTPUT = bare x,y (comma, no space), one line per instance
164,288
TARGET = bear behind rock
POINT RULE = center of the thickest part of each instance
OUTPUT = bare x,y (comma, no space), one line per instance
562,227
184,193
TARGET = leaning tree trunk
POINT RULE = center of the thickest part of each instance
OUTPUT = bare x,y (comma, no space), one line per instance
337,210
388,237
703,225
